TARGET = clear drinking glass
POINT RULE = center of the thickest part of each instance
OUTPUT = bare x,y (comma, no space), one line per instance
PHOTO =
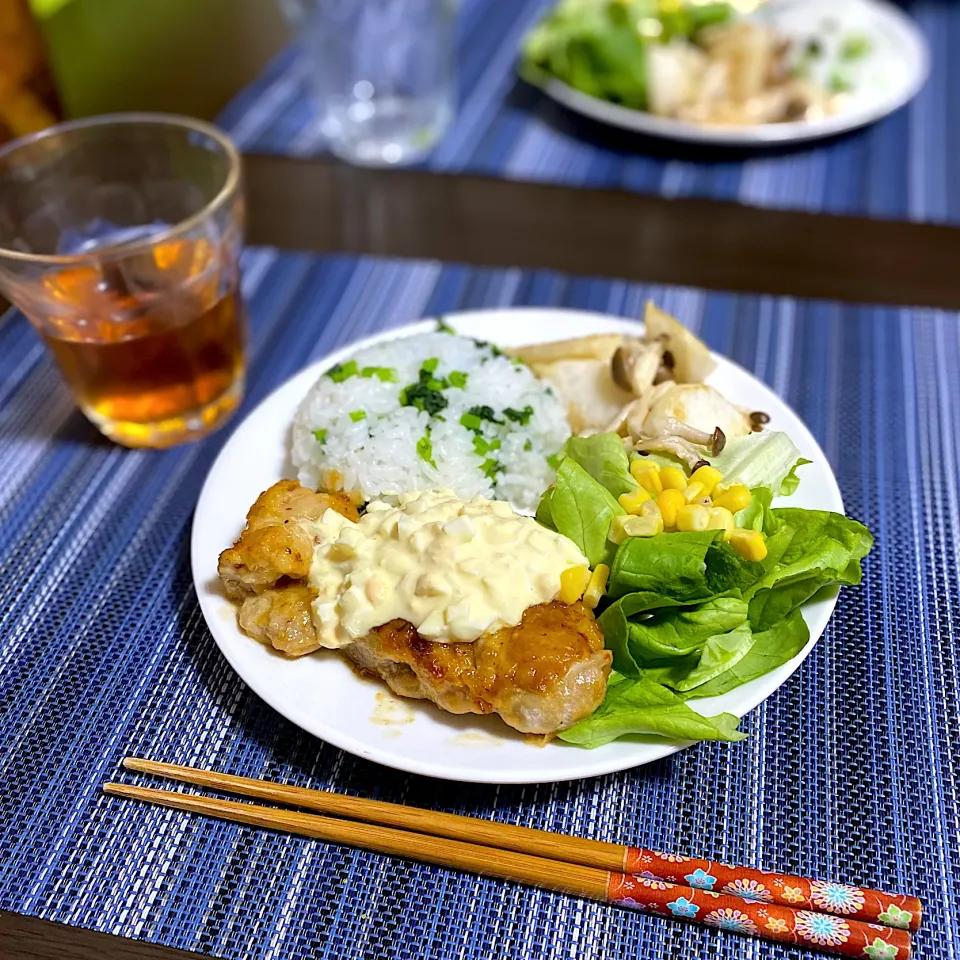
119,239
382,73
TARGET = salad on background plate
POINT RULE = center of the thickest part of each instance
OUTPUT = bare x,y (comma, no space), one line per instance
738,71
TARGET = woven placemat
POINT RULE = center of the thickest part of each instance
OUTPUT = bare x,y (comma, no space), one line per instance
849,771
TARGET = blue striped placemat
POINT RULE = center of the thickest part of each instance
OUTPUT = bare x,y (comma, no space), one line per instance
899,167
849,771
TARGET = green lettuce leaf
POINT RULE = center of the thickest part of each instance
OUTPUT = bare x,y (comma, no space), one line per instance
808,550
677,569
754,516
721,653
688,19
771,648
544,514
671,632
766,459
582,509
615,624
681,648
594,47
671,672
605,459
791,481
647,708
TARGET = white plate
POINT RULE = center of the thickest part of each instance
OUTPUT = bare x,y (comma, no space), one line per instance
321,694
890,76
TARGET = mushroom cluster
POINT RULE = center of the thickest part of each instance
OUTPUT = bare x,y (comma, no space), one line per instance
650,390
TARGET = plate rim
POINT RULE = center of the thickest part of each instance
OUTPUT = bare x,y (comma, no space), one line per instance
382,754
760,135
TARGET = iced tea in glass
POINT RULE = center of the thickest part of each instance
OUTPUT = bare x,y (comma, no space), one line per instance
119,239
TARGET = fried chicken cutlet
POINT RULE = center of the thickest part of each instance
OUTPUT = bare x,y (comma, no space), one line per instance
540,676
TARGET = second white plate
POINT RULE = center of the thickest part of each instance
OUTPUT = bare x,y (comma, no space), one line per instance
321,694
889,77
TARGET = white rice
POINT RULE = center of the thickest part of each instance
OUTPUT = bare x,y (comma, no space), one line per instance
376,454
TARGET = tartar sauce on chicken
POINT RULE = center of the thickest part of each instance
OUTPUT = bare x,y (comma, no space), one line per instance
454,569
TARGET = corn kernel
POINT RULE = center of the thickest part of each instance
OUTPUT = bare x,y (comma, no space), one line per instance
669,502
735,498
648,524
693,491
617,532
750,544
651,521
647,474
692,517
597,586
632,502
721,519
651,482
708,476
573,581
673,478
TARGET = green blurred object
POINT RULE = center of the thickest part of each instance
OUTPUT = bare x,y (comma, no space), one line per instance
600,46
46,8
178,56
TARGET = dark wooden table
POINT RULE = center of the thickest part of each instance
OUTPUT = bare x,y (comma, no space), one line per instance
324,206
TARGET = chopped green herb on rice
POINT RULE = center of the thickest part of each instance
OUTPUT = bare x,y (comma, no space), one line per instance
431,411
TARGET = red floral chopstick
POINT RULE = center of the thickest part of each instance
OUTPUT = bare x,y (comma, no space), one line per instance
856,903
821,931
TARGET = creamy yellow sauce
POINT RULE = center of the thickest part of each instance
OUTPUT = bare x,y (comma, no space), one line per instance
454,569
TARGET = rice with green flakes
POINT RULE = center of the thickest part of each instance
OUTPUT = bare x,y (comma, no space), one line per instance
428,412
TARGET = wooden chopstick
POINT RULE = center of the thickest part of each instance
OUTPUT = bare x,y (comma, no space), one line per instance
771,921
869,906
506,836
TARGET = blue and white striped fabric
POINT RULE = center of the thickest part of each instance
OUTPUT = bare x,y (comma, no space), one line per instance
900,167
849,771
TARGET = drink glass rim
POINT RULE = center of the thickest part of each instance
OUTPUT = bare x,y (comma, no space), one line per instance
229,187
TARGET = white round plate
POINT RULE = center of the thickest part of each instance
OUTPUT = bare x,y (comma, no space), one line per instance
883,81
321,694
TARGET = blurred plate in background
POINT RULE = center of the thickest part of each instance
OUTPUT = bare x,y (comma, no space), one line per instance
892,74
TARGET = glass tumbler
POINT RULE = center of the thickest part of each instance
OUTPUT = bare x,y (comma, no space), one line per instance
382,73
119,239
